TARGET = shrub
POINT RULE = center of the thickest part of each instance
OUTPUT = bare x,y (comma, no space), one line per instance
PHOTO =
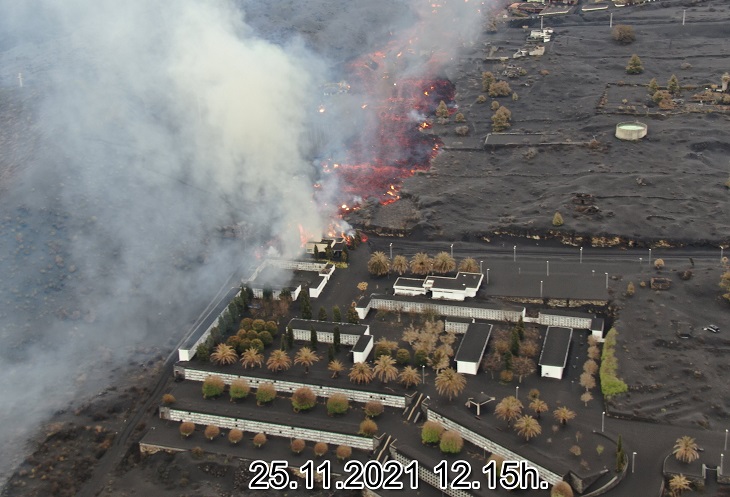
303,399
258,325
451,442
373,408
659,263
575,450
431,432
462,130
623,34
481,99
368,428
487,80
235,435
271,327
343,452
187,428
265,393
499,89
259,440
246,324
213,386
534,394
557,219
506,376
515,96
168,399
298,445
420,358
337,404
630,289
320,449
501,119
211,431
402,357
239,389
265,338
197,452
495,105
459,118
257,344
634,66
561,489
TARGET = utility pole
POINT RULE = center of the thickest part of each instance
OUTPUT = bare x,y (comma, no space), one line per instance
610,23
20,79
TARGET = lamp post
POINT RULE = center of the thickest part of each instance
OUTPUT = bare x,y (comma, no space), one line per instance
650,257
480,267
633,461
514,253
581,255
610,22
547,263
423,374
722,462
391,251
540,288
517,392
640,262
725,439
606,281
603,421
487,276
452,250
721,251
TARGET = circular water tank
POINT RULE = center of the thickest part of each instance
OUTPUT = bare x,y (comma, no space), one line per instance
631,131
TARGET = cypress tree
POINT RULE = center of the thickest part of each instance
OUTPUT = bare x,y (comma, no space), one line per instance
289,337
316,253
521,329
282,342
249,293
352,316
620,455
336,314
331,353
515,345
304,304
336,339
322,314
507,360
313,338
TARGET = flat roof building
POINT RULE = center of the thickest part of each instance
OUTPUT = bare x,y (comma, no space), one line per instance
555,349
458,287
472,348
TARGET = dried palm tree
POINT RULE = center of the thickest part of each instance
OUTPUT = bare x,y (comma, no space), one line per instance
385,369
421,263
306,357
251,357
469,265
563,415
527,427
400,264
509,409
279,360
361,372
409,377
223,355
335,367
450,383
678,484
443,263
379,264
685,449
538,407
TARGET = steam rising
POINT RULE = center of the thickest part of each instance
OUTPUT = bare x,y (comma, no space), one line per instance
147,127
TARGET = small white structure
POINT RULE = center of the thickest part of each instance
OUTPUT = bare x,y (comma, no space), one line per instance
409,287
631,131
555,349
566,319
349,333
472,347
597,327
361,349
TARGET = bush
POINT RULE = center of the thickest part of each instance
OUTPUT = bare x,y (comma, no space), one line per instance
623,34
630,289
557,219
402,357
265,393
320,449
187,428
459,118
303,399
197,452
373,408
462,130
368,428
239,389
343,452
258,325
259,440
481,99
561,489
506,376
257,344
499,89
213,386
659,263
337,404
211,431
634,66
501,119
265,338
271,327
246,324
298,445
235,435
451,443
431,432
168,399
420,358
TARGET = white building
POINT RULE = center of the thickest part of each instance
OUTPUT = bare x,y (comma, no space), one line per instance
555,350
473,310
361,349
459,287
349,333
472,347
575,320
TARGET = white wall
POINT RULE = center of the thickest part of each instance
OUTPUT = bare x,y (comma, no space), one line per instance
363,356
551,372
465,367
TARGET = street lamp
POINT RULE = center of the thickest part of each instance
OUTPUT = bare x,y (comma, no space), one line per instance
721,250
640,261
548,267
603,421
606,281
487,276
633,461
480,267
423,374
514,253
540,288
650,257
452,250
725,439
517,392
391,251
581,255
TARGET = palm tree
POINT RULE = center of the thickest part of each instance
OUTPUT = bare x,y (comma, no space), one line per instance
685,449
252,357
279,360
409,377
399,265
379,264
678,484
469,265
361,372
527,427
306,357
336,367
563,415
509,409
449,382
223,355
539,407
421,263
443,263
385,369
